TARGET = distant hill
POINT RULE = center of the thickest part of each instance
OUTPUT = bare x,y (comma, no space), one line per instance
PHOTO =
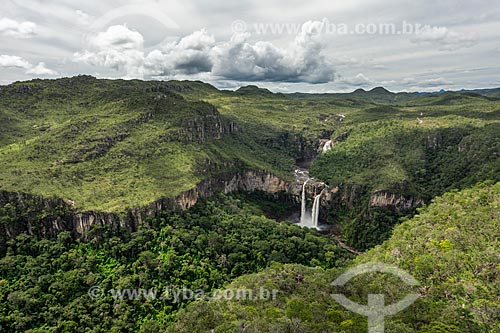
254,90
380,95
487,92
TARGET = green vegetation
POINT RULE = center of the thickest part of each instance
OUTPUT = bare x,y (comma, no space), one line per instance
441,153
44,283
452,248
112,145
417,152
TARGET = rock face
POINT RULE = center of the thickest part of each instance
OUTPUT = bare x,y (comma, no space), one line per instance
207,125
345,196
301,148
400,202
47,217
41,216
251,181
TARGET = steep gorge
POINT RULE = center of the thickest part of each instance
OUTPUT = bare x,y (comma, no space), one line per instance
47,217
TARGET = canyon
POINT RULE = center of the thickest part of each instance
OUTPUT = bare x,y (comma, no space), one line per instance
47,217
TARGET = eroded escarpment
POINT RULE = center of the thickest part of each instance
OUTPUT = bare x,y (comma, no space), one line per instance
398,201
46,217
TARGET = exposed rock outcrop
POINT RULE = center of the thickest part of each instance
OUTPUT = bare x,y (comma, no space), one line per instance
205,126
46,217
42,216
399,201
49,216
342,196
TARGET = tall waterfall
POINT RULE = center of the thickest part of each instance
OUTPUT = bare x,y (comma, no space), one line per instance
315,211
306,219
303,211
327,146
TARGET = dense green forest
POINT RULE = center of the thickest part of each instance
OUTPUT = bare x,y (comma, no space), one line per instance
44,283
451,247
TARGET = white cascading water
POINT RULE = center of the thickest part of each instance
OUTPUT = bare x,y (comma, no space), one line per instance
310,220
327,146
303,211
315,211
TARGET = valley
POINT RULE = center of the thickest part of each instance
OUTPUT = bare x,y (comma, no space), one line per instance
153,184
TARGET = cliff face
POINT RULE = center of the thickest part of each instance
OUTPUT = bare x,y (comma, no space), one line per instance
400,202
301,147
251,181
207,125
47,217
42,216
345,196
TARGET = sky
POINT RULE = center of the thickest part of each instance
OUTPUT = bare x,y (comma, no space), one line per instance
282,45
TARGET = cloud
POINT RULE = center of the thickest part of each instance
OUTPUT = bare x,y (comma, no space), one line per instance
388,83
8,61
118,37
302,61
190,55
435,82
12,28
82,17
13,62
359,80
41,69
119,48
237,59
444,38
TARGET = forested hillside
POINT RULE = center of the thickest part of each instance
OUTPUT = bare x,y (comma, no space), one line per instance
44,283
451,247
162,185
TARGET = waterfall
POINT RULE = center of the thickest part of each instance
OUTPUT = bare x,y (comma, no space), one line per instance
310,220
303,210
327,146
315,210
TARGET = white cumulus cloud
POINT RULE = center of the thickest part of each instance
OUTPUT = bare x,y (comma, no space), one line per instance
190,55
10,61
16,29
359,80
13,62
119,48
301,61
237,59
41,69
